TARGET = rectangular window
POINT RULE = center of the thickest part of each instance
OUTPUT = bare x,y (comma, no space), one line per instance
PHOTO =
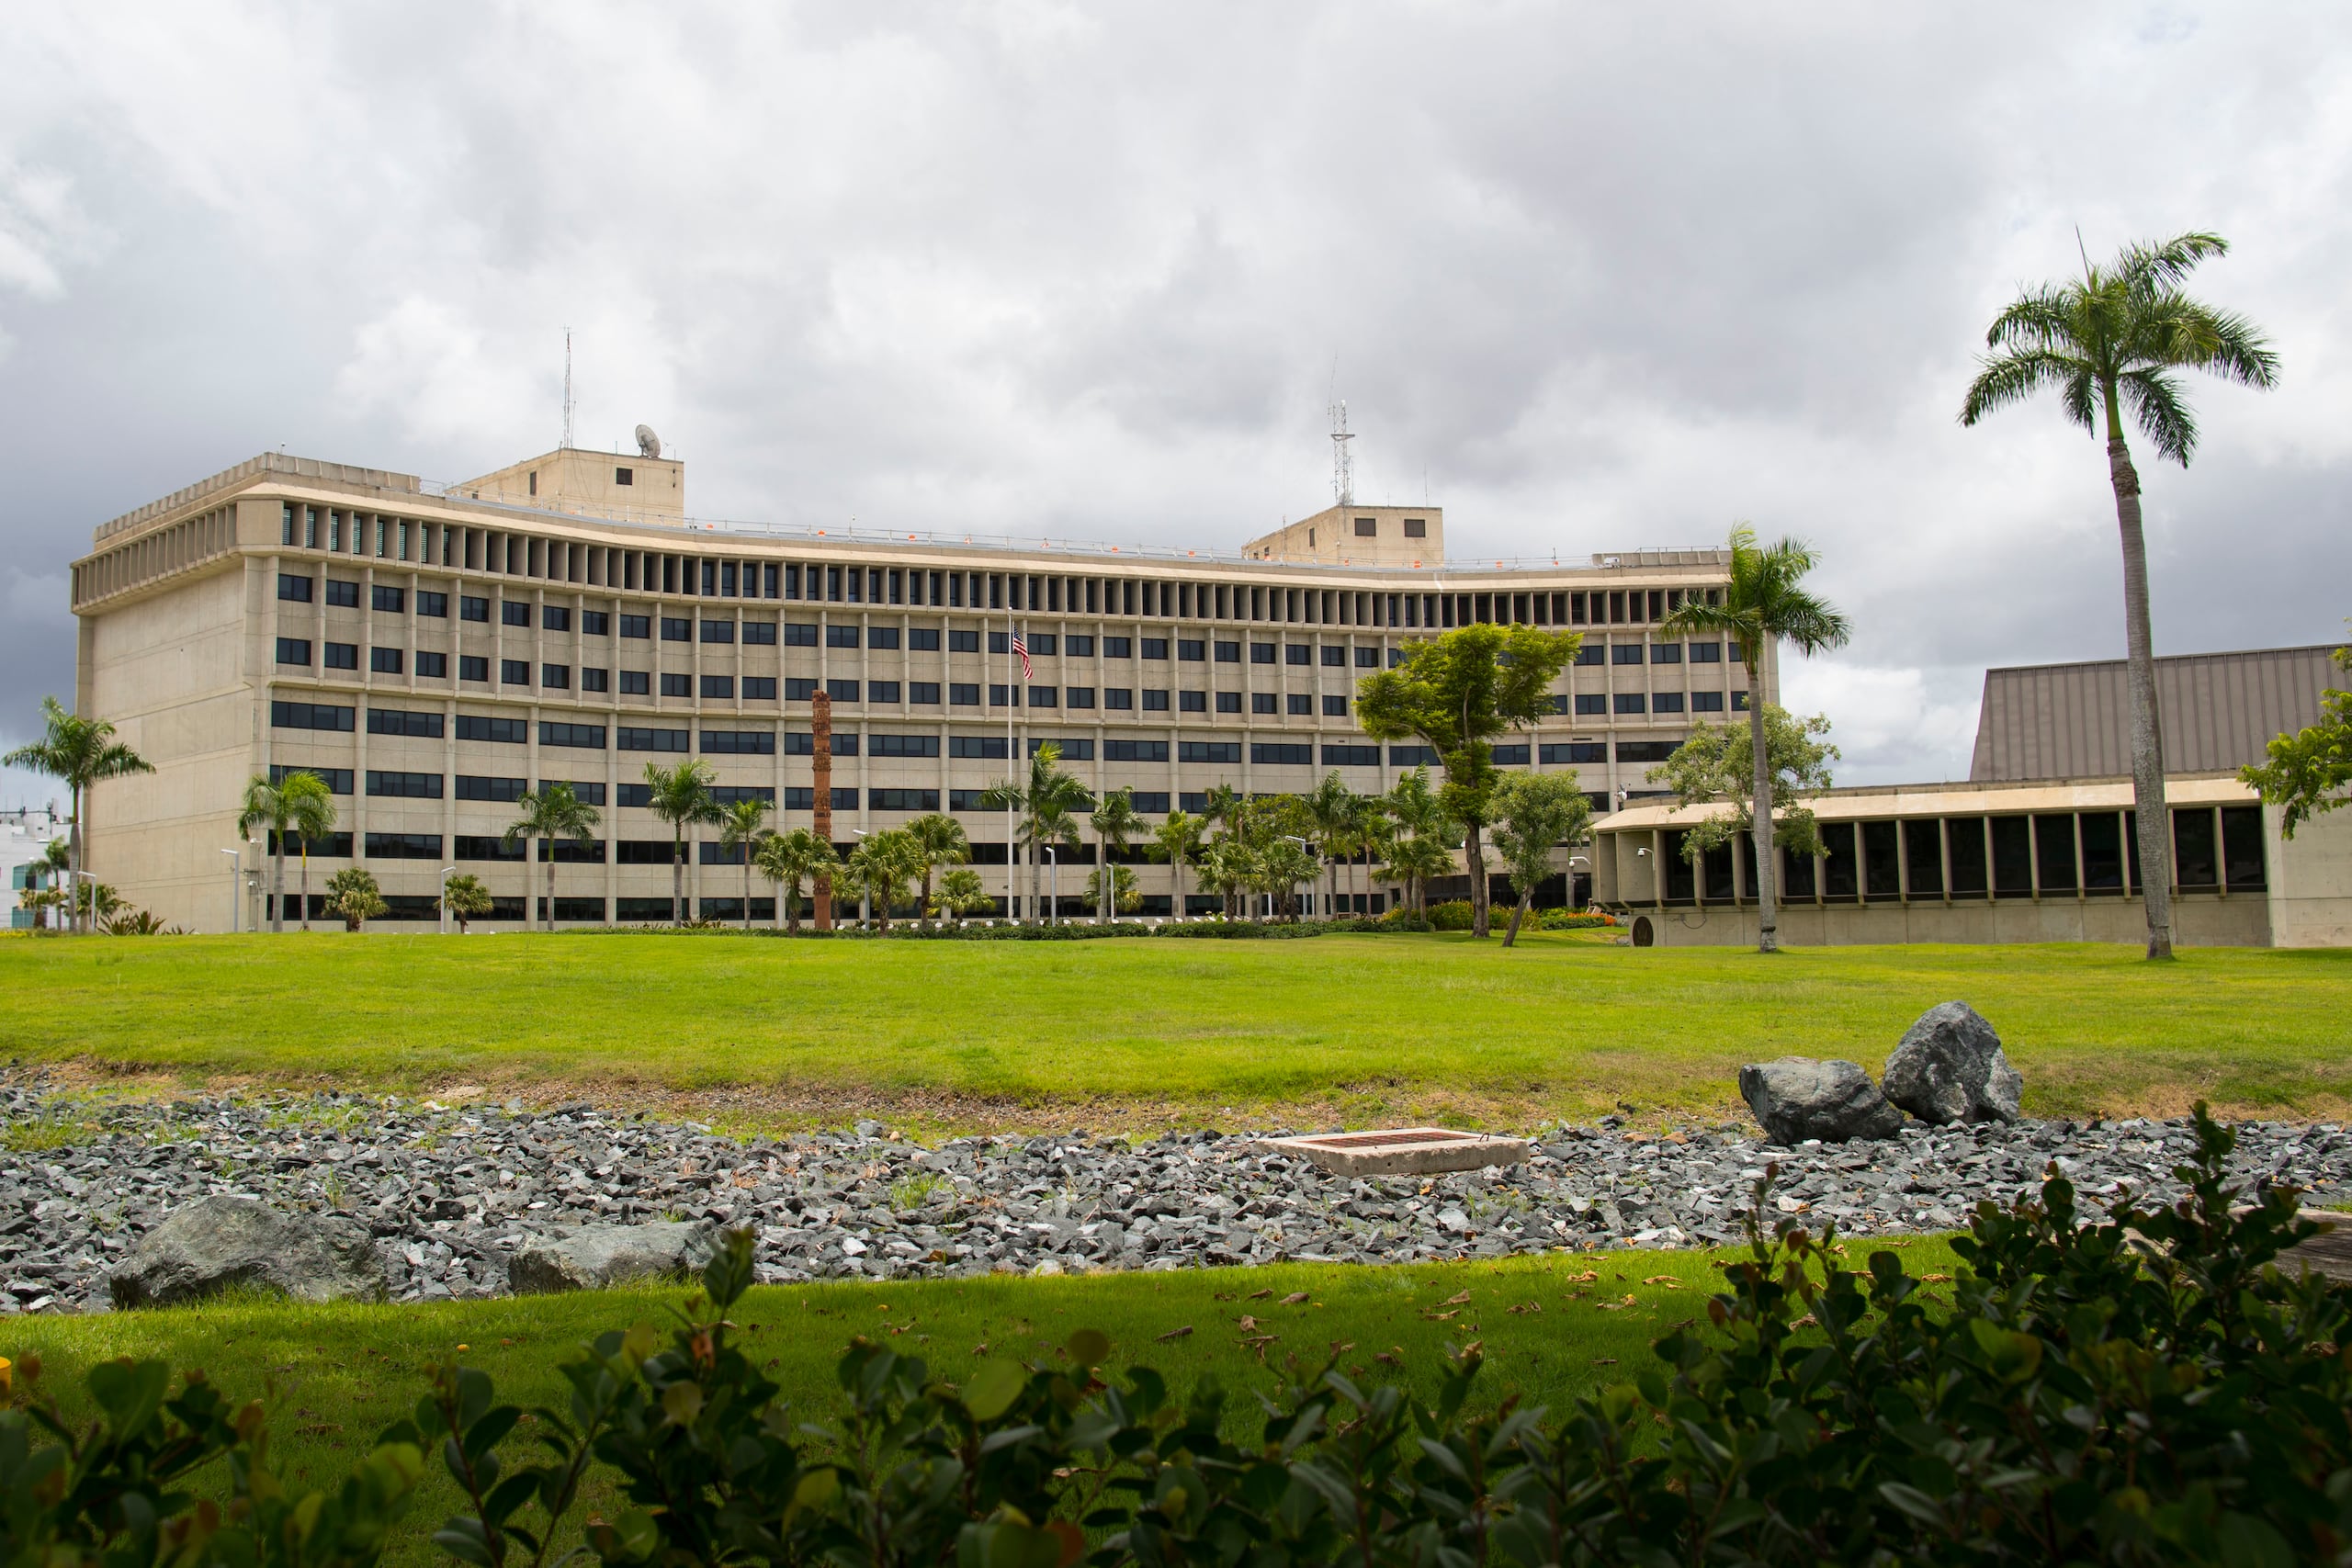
1155,648
1043,697
637,625
555,618
1135,751
1148,802
1629,702
882,691
1574,752
1667,702
483,787
554,677
635,683
583,737
1625,653
971,800
342,595
841,691
337,780
999,642
1412,756
634,795
1078,646
595,622
2195,849
631,739
1367,659
923,693
1117,647
1351,756
595,680
470,608
1297,653
1335,707
513,672
963,642
309,715
759,688
738,742
293,588
433,666
384,660
1645,750
473,667
1208,751
799,634
677,628
759,634
2012,857
1229,701
404,846
409,722
1155,700
979,746
675,685
1591,653
514,613
1923,856
1882,878
1706,652
800,688
294,650
479,847
1511,755
719,631
1704,702
718,685
483,726
1665,653
902,799
2053,845
728,795
2242,848
1283,754
1118,698
1297,703
1229,652
1739,702
1042,645
903,745
1334,657
964,694
2102,834
840,635
1189,651
1078,696
1261,653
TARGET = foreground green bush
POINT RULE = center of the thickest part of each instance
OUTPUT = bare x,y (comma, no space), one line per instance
2144,1389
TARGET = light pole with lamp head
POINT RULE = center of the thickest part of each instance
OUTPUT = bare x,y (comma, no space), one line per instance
865,894
237,869
1054,886
73,901
446,871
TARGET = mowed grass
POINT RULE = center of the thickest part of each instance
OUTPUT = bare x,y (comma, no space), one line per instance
1138,1032
335,1376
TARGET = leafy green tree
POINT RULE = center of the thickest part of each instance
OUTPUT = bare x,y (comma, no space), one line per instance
789,859
465,899
2108,344
1714,765
80,753
943,841
1532,813
1116,823
1176,839
1455,696
2309,770
680,796
883,865
742,824
1764,603
1124,897
353,896
555,811
299,804
1048,801
961,892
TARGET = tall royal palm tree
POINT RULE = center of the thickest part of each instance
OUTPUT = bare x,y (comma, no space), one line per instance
789,860
1116,823
1366,835
78,753
1764,603
299,804
1178,835
1331,806
554,812
2108,344
1048,801
741,826
680,796
943,841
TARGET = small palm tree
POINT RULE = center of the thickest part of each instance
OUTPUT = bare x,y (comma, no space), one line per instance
80,752
680,796
1116,823
1412,861
1367,833
353,896
300,805
1331,806
1764,602
961,893
789,860
1048,800
943,841
1176,839
1281,866
1121,892
465,899
2105,344
883,864
741,826
1228,867
53,865
554,812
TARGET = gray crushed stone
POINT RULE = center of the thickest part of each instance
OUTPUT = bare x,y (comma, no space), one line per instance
449,1193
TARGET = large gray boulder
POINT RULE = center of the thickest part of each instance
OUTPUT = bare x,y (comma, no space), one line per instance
595,1257
1949,1068
220,1243
1797,1098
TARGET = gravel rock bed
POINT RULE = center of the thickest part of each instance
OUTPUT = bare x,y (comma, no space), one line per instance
450,1193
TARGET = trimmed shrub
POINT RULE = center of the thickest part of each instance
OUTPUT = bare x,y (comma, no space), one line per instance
1449,917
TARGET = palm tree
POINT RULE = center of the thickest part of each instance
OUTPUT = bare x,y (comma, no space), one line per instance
680,796
2107,344
1764,601
1367,834
1228,867
354,898
741,826
1281,866
961,892
1223,806
1331,806
1115,822
883,864
1049,801
80,752
55,860
790,859
943,841
299,804
1412,861
465,899
555,812
1178,835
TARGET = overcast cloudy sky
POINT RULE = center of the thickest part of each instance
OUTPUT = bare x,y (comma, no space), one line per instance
1588,276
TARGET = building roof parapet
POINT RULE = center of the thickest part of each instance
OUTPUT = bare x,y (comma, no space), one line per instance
255,467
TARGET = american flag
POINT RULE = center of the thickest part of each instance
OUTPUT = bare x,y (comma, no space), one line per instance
1028,670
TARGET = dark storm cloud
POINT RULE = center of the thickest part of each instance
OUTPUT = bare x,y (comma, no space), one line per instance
1591,278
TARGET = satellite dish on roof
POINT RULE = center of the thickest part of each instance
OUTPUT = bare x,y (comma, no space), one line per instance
647,444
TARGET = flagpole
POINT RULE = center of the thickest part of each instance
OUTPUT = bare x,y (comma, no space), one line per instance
1011,876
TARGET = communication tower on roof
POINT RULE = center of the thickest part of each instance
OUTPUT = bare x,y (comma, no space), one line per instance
1344,484
567,393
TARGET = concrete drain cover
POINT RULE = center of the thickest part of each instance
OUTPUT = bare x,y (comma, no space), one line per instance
1403,1151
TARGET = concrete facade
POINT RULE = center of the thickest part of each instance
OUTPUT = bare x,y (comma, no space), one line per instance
433,652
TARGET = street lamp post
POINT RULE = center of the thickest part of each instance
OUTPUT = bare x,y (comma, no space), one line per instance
865,894
236,865
1054,886
1310,848
446,871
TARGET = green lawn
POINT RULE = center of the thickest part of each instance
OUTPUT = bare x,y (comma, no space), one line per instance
1136,1033
336,1376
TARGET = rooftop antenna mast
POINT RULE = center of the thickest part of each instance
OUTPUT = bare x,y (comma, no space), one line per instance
1344,484
567,388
